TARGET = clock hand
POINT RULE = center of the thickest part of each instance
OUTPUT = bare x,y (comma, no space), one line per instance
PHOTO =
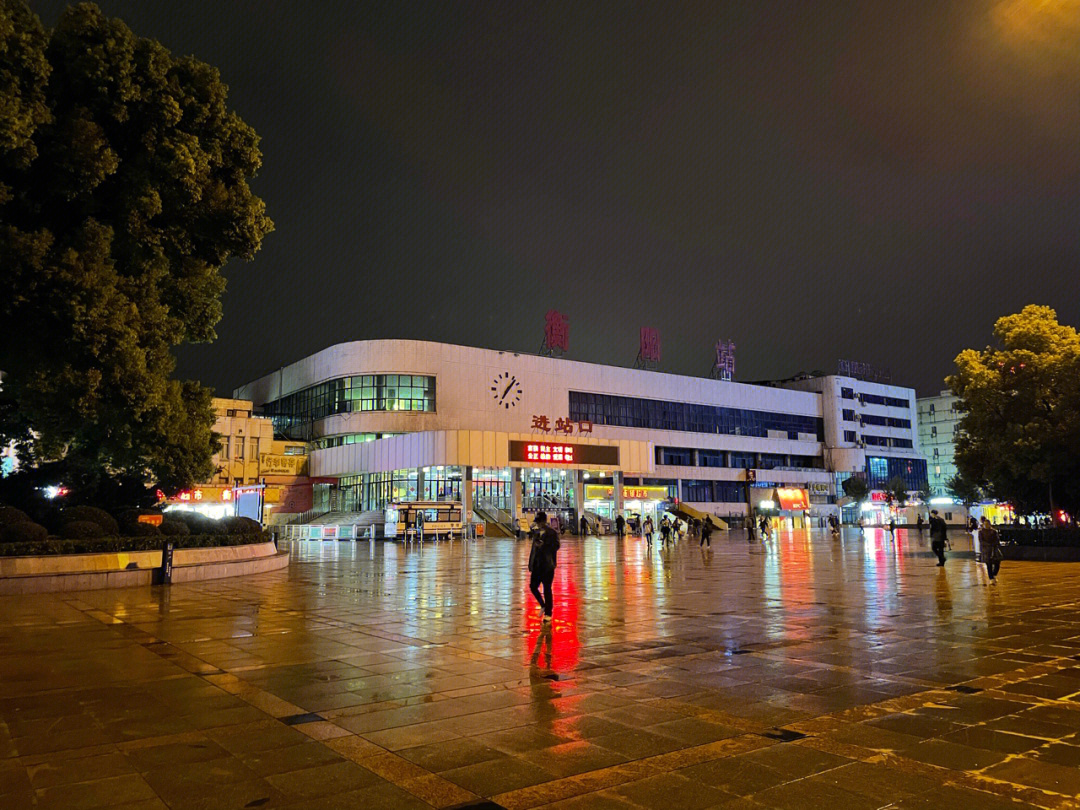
511,385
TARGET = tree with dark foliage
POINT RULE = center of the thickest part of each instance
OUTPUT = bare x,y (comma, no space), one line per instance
123,192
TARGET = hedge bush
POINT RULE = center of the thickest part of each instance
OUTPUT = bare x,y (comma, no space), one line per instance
200,524
130,517
21,533
9,515
174,528
53,545
241,525
108,524
142,530
80,530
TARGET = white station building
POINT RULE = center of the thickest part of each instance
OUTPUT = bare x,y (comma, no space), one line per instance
403,420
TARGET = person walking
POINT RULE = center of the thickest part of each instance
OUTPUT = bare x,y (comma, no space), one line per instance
939,535
647,529
543,558
620,526
834,527
919,524
764,528
584,526
990,548
892,526
706,533
665,530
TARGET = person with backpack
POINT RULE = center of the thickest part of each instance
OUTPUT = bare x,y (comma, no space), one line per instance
665,530
543,559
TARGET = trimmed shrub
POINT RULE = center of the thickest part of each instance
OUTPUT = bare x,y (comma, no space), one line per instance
174,528
130,517
9,515
80,530
199,524
103,519
53,545
241,525
24,532
142,530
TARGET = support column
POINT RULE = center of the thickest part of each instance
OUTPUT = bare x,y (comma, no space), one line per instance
617,481
579,495
420,484
515,493
466,493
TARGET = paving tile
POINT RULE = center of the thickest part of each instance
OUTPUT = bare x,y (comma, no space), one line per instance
1038,774
498,776
339,777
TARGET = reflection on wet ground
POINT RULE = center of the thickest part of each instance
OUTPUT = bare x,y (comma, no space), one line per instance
804,672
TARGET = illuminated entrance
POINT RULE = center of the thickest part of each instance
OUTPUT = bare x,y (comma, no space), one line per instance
639,502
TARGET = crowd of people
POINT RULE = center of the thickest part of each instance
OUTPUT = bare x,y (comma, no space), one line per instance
545,543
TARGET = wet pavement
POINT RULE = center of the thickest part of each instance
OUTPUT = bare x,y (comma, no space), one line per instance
805,672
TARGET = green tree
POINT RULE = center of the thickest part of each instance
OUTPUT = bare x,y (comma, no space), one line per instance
965,490
856,487
1019,436
896,492
123,192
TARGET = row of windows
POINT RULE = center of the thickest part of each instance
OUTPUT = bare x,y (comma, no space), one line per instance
687,457
348,438
875,399
884,421
714,491
652,414
885,441
877,441
366,392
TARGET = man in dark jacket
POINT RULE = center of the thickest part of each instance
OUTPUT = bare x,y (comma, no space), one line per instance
542,561
939,534
620,526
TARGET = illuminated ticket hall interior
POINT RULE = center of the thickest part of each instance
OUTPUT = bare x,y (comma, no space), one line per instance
508,433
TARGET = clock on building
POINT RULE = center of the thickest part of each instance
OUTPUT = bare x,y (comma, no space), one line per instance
506,390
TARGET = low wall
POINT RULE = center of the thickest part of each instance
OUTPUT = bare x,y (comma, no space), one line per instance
85,572
1041,553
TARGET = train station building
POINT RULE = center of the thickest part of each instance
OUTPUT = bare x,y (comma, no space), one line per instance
506,432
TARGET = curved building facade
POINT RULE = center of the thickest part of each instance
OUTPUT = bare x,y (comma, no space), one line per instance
403,419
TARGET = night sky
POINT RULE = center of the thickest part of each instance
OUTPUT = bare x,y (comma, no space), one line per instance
813,180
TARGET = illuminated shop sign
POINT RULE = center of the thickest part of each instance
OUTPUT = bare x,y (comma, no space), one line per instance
792,499
601,492
564,453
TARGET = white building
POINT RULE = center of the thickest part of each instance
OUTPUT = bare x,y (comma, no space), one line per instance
939,419
414,420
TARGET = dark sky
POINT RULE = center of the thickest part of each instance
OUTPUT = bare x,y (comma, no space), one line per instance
814,180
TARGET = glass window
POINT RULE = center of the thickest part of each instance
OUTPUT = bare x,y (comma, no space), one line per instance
292,415
617,411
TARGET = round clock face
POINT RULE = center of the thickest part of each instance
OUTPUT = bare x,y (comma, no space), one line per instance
506,390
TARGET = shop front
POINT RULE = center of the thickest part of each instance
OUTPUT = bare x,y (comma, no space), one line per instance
638,502
785,508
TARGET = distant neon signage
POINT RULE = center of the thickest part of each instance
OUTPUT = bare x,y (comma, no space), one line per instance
548,453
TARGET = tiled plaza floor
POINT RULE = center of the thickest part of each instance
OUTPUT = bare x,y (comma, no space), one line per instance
803,673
